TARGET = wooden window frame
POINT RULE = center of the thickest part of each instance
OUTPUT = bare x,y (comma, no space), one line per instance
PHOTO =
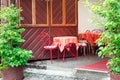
49,15
76,15
63,15
34,15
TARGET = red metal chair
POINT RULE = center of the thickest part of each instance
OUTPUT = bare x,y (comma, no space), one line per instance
89,39
95,35
52,48
98,31
84,47
48,46
72,49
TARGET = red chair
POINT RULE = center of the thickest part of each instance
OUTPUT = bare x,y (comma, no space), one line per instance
48,46
84,47
96,35
97,31
90,40
71,49
52,48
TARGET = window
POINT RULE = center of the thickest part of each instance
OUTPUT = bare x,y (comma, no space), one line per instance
49,12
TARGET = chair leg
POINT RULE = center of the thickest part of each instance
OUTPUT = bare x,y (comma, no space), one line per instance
51,55
63,56
77,54
89,49
87,52
84,52
93,50
82,49
58,55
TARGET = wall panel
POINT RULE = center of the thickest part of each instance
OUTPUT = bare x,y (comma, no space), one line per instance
27,11
35,41
41,12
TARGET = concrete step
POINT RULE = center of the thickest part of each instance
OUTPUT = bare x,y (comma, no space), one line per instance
92,75
63,73
44,70
60,73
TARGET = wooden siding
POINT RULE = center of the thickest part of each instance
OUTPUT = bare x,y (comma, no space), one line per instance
27,8
56,12
70,11
35,41
41,12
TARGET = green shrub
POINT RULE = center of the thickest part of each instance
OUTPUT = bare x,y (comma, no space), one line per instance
109,42
11,54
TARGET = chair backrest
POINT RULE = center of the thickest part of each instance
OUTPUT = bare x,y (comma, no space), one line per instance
87,31
89,37
79,37
98,31
45,38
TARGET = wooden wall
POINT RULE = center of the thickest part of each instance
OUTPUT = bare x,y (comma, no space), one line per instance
35,41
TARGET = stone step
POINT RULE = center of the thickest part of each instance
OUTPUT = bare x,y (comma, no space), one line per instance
64,74
44,70
92,75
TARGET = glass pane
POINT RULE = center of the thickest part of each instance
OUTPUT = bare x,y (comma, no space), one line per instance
27,11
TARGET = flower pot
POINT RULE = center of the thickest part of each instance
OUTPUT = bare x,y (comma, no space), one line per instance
14,73
114,77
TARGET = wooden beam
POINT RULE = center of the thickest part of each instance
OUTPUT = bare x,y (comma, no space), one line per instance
33,12
48,12
51,13
64,11
76,12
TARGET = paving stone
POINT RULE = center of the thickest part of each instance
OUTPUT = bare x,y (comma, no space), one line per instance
44,70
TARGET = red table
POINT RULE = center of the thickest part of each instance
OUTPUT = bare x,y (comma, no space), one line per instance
64,40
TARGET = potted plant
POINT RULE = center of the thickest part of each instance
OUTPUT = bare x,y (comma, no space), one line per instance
12,56
109,42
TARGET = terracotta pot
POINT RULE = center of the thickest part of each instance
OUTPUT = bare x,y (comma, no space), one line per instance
114,77
15,73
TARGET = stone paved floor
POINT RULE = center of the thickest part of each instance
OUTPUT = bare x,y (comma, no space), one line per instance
74,76
50,77
44,70
63,71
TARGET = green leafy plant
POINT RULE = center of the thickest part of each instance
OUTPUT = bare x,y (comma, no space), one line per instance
11,54
109,42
